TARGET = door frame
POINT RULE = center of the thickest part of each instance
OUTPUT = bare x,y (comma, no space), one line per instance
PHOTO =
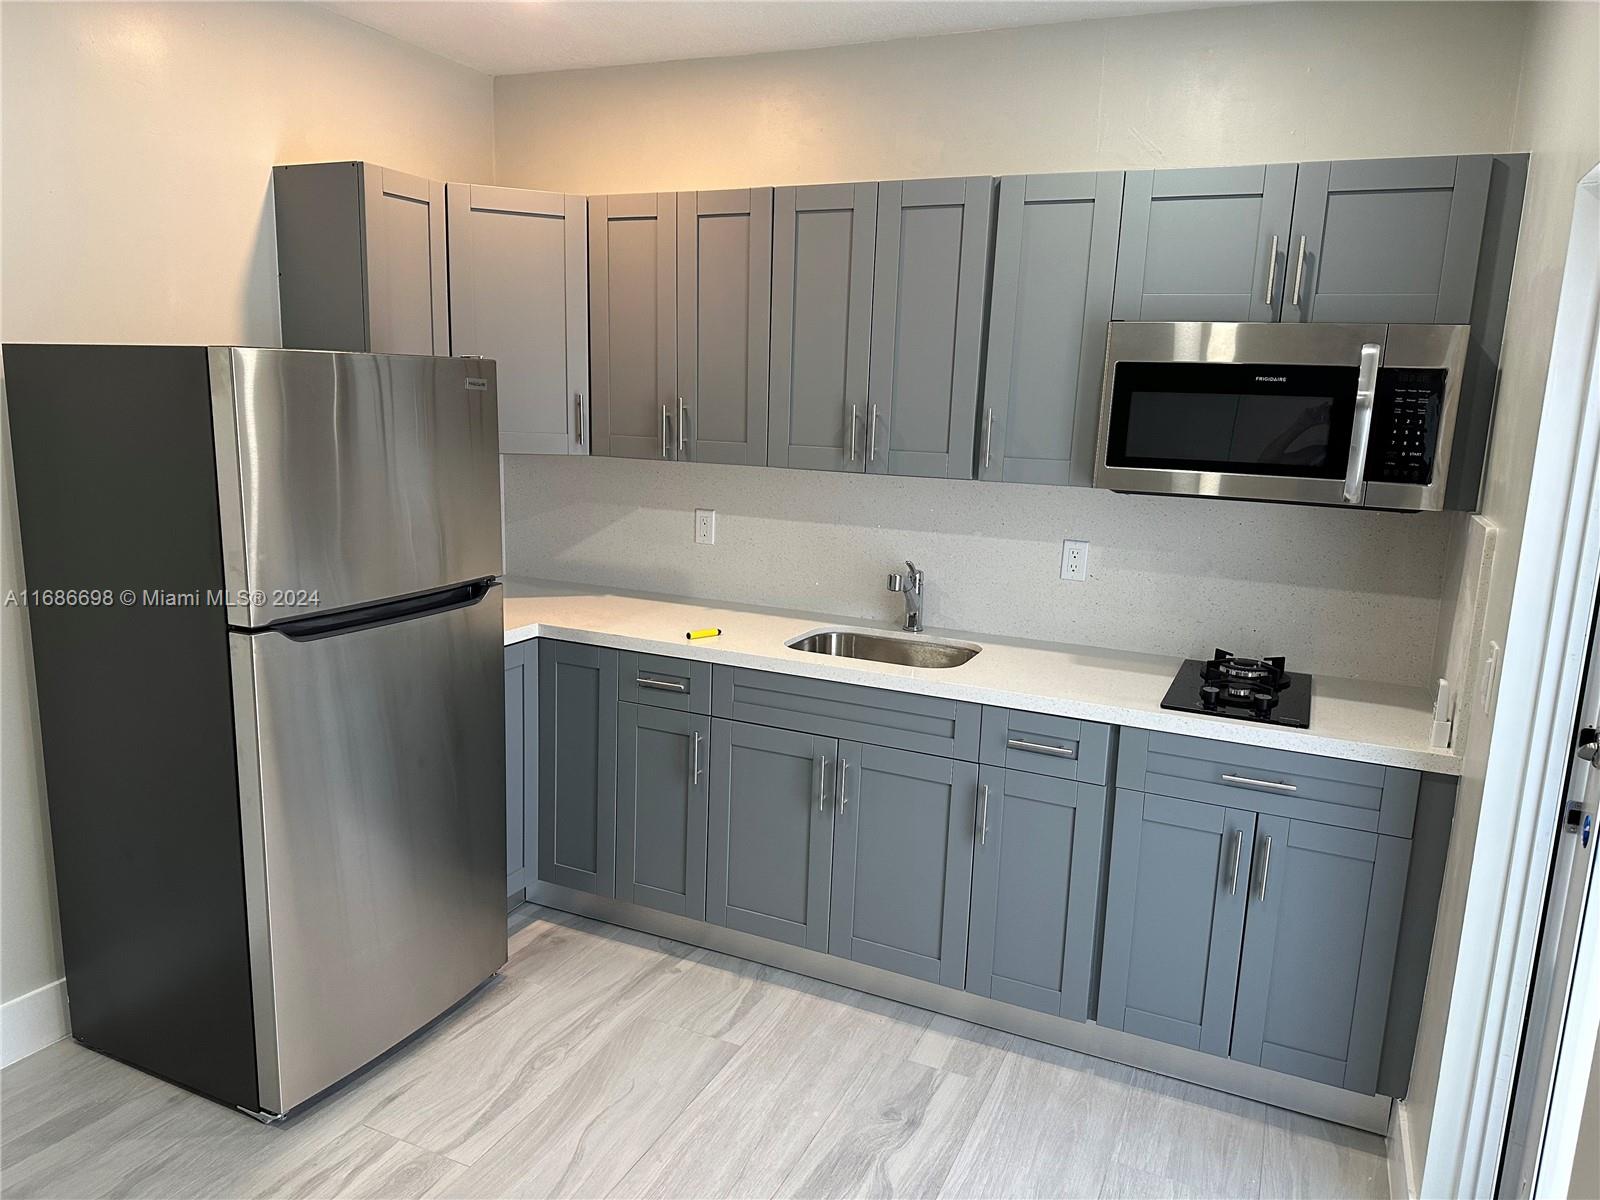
1531,742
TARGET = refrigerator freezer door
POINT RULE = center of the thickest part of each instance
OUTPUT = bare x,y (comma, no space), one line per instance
372,780
347,478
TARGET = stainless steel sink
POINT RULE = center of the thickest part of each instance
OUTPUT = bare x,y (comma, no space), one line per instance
903,651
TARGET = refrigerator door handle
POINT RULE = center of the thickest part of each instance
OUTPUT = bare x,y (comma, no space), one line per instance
385,612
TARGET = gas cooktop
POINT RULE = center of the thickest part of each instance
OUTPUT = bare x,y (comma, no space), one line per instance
1251,689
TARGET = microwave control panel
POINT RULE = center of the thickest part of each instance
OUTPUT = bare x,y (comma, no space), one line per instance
1405,425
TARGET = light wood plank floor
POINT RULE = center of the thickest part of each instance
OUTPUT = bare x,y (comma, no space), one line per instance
609,1063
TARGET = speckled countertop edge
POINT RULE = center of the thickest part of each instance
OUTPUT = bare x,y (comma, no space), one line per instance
1379,723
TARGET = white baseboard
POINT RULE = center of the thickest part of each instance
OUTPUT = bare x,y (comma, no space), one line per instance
1402,1176
32,1021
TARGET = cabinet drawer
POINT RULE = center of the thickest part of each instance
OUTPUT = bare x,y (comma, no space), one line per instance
863,714
663,682
1308,787
1046,745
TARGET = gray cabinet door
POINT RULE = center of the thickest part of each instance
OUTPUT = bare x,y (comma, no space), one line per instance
407,297
902,861
1174,919
771,835
931,264
1392,239
519,294
1055,258
1036,891
663,785
724,324
822,247
633,297
522,763
578,766
1204,244
1319,949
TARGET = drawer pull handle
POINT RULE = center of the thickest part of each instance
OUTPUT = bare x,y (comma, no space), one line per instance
661,685
1041,748
1268,785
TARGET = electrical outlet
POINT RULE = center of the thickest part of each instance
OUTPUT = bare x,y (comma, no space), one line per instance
705,526
1075,561
1491,668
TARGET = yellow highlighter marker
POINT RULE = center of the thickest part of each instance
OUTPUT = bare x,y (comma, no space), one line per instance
694,635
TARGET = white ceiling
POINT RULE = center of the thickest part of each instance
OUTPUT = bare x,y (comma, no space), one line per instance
514,37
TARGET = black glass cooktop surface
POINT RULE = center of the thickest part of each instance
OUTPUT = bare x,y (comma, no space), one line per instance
1251,689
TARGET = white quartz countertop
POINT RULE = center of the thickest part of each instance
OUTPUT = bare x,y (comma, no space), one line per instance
1368,722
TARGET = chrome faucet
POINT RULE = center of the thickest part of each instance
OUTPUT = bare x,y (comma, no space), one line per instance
909,584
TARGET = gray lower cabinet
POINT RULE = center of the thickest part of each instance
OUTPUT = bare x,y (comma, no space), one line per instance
522,707
1319,949
1204,244
1055,258
519,294
822,261
1180,872
1391,239
663,789
361,259
633,288
724,318
902,861
770,850
1036,891
578,766
928,296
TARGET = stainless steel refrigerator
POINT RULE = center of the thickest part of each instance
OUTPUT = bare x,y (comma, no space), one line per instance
266,621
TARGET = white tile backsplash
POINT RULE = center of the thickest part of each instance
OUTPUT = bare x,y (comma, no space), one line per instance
1350,593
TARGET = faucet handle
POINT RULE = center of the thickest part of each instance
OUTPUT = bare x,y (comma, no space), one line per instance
897,582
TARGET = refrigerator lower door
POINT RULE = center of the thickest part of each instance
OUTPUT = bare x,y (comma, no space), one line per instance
372,772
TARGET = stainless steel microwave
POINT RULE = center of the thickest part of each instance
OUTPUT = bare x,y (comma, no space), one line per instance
1354,415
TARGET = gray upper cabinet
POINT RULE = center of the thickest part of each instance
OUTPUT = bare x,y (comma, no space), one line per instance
822,255
578,766
1055,258
931,266
633,288
724,316
519,294
1319,950
902,861
1204,244
663,786
1394,239
361,259
522,782
1036,891
770,848
1175,919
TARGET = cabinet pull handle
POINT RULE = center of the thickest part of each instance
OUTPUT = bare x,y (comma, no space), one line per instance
1233,873
696,758
661,685
844,765
1272,268
1266,865
983,814
872,434
1299,270
1041,748
855,414
663,431
822,783
1267,785
988,438
683,426
577,406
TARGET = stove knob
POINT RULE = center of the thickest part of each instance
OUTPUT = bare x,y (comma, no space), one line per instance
1208,695
1264,703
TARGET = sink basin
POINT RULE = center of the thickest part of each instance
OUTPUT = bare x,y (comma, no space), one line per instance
903,651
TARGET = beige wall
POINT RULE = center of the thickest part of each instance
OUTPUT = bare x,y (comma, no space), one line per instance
1558,120
134,206
1338,593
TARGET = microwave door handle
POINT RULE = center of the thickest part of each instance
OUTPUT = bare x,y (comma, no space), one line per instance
1361,429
